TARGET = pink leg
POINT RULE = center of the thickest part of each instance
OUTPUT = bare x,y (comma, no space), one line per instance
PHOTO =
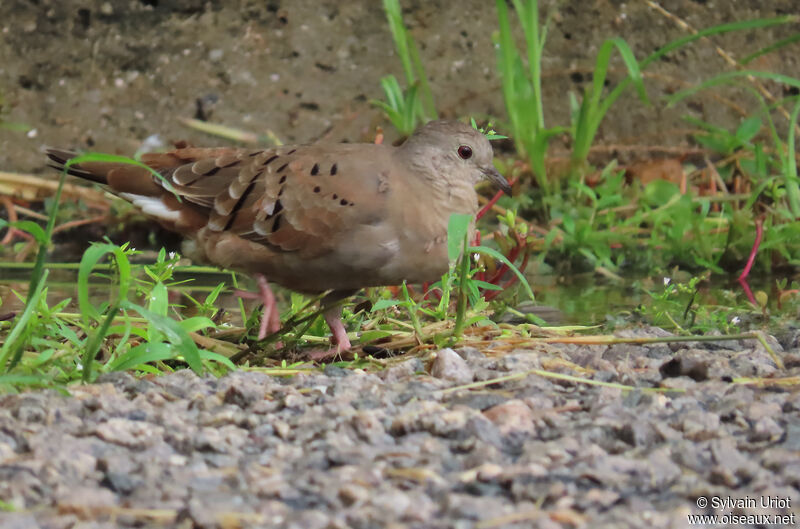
333,317
270,319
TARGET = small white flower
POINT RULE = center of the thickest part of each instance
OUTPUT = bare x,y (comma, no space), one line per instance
735,320
667,281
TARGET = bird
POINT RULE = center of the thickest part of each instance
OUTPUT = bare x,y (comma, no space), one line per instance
314,218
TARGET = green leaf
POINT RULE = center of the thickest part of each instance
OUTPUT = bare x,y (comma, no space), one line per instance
214,294
485,285
748,129
457,228
158,299
21,325
27,226
173,333
491,252
94,341
382,304
373,335
218,358
568,223
142,354
196,323
659,192
25,380
91,256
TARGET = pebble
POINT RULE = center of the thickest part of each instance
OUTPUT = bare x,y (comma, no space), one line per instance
448,365
349,449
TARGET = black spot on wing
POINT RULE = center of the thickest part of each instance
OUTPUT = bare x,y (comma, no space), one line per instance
277,222
238,205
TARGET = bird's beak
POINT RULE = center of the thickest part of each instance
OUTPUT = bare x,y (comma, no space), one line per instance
497,179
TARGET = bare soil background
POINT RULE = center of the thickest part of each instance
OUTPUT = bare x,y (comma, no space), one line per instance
105,75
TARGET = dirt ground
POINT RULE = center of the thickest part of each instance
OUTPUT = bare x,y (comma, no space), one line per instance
105,75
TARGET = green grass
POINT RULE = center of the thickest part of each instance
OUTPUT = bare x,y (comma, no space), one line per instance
782,165
611,225
406,108
520,72
521,75
47,346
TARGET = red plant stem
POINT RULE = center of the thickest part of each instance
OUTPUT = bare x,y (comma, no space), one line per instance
493,201
749,293
754,250
80,222
512,256
12,217
426,288
494,293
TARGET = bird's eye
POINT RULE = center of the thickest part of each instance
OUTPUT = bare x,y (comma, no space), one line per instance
465,152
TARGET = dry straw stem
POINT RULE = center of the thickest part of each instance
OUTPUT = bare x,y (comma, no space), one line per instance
563,516
30,187
609,340
232,133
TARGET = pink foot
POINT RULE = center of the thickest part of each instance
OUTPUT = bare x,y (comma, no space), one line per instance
333,317
270,319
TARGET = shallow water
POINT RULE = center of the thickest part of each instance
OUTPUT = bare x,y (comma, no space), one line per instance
63,278
582,299
586,299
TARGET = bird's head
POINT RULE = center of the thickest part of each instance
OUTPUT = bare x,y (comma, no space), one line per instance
455,152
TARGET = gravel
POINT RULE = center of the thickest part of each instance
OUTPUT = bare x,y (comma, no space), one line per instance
342,448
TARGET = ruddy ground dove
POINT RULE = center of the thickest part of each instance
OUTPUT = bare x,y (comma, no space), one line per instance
313,218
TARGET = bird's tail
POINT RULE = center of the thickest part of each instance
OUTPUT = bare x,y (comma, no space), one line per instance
119,177
136,183
58,159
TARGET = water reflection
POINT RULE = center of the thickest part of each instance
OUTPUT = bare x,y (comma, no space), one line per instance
582,299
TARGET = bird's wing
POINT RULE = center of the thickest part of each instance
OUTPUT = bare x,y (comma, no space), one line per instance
290,199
